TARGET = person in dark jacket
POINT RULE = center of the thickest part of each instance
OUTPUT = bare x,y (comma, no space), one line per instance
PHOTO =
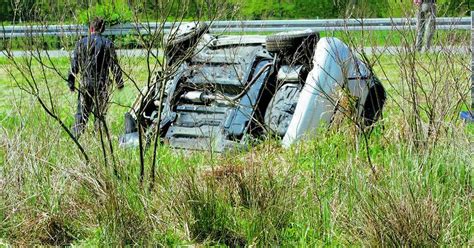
94,59
426,19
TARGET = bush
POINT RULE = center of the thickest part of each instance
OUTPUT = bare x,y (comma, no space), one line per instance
112,14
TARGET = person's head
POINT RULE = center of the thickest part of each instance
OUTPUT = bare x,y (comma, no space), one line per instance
97,25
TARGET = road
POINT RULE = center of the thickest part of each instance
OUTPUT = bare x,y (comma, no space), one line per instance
142,53
65,53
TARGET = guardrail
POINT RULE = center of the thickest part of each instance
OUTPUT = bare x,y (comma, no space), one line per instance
445,23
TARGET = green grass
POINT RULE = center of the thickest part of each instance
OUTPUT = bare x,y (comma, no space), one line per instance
321,192
376,38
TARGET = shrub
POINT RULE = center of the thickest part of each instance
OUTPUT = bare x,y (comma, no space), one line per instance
112,14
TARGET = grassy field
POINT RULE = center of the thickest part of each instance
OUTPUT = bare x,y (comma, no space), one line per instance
376,38
321,192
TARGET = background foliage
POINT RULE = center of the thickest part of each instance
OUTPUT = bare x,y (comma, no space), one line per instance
117,11
113,14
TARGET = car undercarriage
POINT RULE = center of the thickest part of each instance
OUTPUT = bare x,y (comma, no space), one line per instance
224,92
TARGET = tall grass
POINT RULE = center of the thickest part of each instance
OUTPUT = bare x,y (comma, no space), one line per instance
321,192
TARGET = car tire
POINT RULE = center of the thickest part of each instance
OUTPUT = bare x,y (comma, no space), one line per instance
295,46
374,103
281,108
130,124
371,108
178,47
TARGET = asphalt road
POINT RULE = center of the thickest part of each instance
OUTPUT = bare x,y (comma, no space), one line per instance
64,53
143,53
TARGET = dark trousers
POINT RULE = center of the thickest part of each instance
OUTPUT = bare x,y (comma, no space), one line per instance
90,101
426,23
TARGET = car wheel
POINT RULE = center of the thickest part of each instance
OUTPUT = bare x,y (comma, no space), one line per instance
130,123
295,46
374,103
281,108
181,40
371,108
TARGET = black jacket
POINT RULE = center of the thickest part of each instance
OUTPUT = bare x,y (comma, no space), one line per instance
94,58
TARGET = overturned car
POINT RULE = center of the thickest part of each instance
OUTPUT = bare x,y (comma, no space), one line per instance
226,91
